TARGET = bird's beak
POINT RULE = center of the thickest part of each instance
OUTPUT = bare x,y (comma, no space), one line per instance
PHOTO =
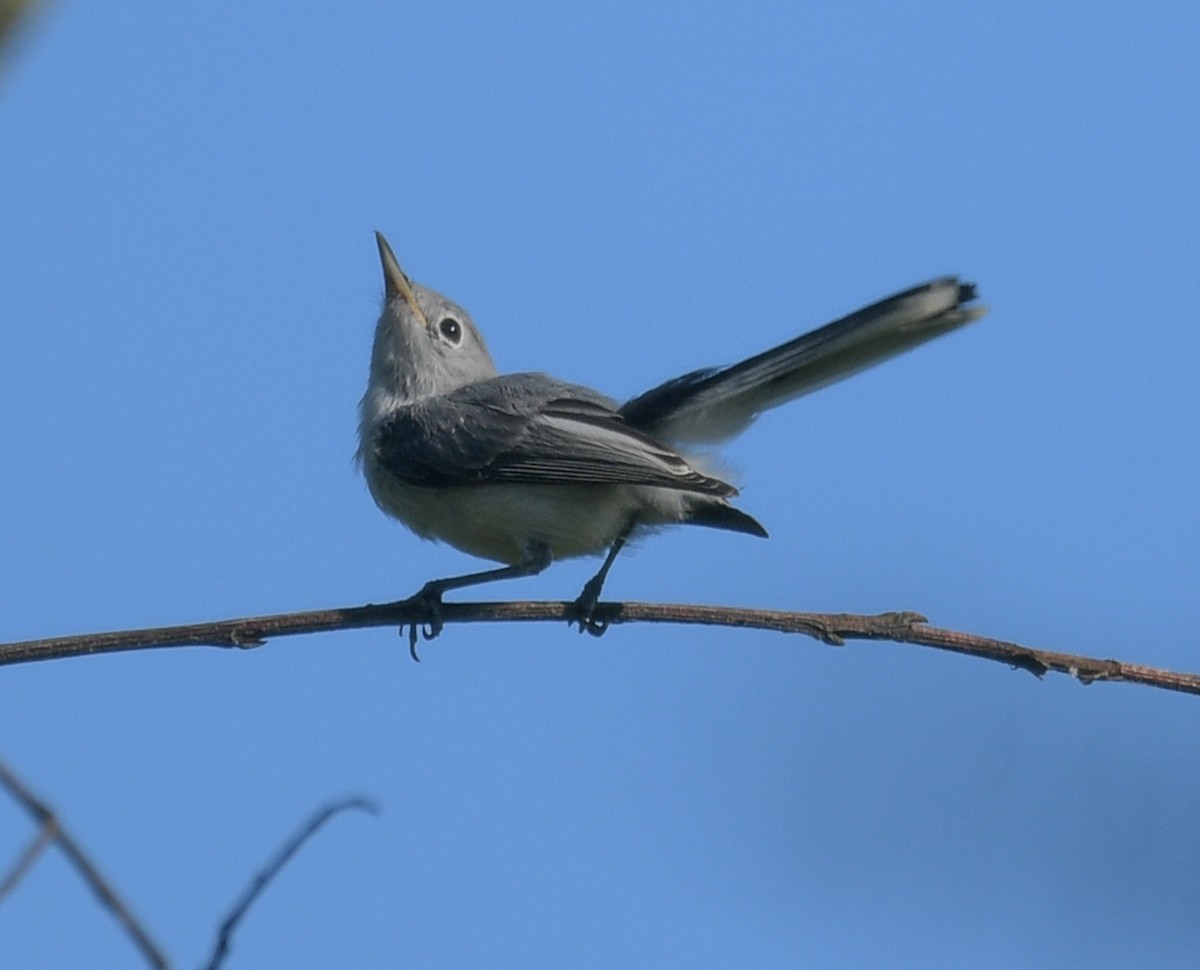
395,283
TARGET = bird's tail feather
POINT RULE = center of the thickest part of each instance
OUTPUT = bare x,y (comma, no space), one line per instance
712,404
719,515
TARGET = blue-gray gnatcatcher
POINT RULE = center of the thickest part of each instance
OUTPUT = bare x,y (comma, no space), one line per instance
524,469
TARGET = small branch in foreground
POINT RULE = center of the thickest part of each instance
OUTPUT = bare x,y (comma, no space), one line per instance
271,870
12,13
832,628
48,822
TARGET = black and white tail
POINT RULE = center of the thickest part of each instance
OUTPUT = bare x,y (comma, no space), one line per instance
716,403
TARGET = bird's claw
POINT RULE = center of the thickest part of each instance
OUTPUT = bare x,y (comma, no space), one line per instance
583,611
596,626
430,600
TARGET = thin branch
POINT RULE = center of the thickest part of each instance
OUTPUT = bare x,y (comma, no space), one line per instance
271,870
37,845
832,628
48,821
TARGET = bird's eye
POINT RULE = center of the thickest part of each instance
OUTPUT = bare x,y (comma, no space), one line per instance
451,329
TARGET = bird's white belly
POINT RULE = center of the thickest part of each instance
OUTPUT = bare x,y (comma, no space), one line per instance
502,521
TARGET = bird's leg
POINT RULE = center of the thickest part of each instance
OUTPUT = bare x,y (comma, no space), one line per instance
583,608
537,558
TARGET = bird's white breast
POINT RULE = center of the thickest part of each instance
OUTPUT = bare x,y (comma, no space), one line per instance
500,521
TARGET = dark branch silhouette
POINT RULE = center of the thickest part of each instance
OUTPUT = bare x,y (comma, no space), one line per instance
271,870
24,862
831,628
50,831
51,828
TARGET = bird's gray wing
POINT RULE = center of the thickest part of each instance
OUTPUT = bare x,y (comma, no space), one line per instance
712,404
532,429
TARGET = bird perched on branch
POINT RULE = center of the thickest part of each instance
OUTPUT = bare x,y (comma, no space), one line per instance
524,469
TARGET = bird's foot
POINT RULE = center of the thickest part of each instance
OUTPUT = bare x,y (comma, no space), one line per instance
583,610
429,601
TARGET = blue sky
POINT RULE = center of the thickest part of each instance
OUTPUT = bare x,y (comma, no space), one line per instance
617,194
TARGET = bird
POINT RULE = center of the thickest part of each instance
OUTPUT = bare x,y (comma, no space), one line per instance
524,469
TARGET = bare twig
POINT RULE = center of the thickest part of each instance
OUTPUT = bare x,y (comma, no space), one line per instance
47,821
45,836
832,628
271,870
